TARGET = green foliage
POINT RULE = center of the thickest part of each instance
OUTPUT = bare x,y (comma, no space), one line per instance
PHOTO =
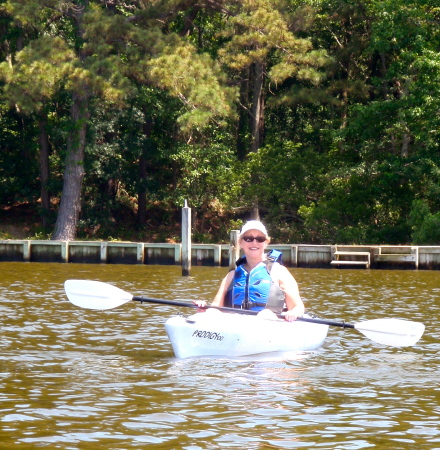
429,232
18,158
197,81
261,32
209,181
5,235
348,119
425,225
38,70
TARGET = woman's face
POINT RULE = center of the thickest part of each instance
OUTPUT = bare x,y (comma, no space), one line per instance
253,242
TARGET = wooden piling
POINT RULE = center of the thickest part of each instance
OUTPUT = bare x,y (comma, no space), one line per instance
234,253
186,241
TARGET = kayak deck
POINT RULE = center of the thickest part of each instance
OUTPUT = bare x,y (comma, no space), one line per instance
213,333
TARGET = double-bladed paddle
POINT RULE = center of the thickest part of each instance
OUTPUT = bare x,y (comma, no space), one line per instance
98,295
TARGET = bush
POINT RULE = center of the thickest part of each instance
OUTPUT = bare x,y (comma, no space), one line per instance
425,225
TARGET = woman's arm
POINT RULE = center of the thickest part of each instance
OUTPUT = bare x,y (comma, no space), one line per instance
286,281
219,299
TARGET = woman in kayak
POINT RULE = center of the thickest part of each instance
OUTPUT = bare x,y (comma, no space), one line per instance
259,282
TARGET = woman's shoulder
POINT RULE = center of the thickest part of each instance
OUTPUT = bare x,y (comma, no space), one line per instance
280,270
229,275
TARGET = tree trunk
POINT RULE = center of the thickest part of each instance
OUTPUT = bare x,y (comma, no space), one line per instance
70,205
257,110
344,114
44,169
406,140
257,115
142,192
243,117
255,211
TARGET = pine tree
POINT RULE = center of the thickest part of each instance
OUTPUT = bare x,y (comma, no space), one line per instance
264,50
94,52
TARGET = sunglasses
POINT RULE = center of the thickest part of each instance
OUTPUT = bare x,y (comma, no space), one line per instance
259,239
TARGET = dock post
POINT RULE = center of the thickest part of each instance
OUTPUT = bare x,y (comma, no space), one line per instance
104,252
416,250
27,251
234,251
140,252
186,241
65,251
294,256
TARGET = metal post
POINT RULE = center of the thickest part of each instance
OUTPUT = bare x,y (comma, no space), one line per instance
186,240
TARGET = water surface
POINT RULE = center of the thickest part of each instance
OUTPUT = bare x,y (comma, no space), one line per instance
81,379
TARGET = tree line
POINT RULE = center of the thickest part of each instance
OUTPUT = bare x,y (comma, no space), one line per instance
321,117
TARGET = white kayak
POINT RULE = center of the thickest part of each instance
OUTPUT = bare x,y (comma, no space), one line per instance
216,333
213,333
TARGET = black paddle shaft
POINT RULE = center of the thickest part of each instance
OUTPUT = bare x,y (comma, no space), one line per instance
238,311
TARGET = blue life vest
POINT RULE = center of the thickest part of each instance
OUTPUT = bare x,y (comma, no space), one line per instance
255,290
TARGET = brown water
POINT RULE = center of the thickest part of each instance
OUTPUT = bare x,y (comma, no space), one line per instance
81,379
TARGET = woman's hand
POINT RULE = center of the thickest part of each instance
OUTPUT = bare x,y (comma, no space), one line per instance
292,315
201,304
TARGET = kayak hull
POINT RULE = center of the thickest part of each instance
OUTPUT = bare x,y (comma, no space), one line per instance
213,333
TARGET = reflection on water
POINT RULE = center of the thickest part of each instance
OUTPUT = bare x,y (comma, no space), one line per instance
81,379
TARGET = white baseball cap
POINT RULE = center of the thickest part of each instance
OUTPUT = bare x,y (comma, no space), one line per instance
253,225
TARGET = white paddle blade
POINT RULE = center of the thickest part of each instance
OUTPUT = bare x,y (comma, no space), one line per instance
95,294
394,332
